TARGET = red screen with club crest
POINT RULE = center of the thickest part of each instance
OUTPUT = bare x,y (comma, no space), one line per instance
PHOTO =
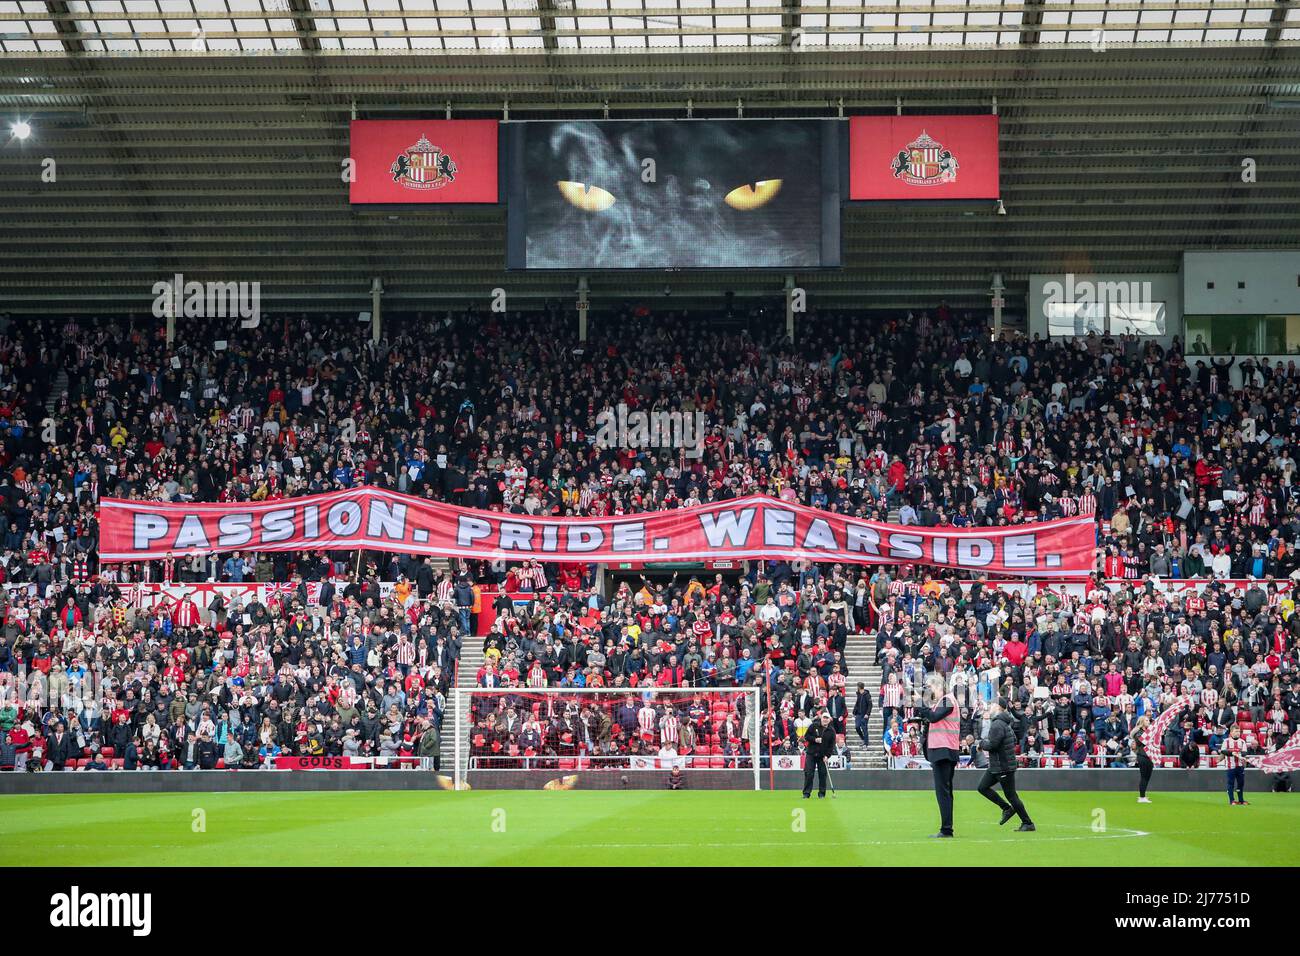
923,157
424,161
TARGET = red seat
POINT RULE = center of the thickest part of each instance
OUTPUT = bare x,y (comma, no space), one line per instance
567,763
108,753
116,763
221,763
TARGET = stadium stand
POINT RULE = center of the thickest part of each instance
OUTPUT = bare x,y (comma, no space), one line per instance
354,654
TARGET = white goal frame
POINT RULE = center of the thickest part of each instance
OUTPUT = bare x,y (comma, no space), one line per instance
460,713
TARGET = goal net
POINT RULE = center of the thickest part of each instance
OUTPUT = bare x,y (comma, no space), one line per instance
608,739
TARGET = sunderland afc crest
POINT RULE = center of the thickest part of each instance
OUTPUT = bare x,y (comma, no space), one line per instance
925,163
423,166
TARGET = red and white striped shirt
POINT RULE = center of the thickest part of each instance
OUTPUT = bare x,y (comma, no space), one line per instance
891,695
669,728
646,719
1234,753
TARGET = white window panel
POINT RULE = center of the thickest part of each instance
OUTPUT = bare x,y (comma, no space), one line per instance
738,4
426,43
695,21
981,19
686,4
392,43
1053,18
1156,16
947,39
664,41
1087,17
765,20
50,46
1252,34
1008,37
856,39
816,39
21,46
1152,36
730,21
914,19
629,43
567,43
1013,19
210,6
855,20
283,44
379,5
528,43
1121,18
988,38
355,23
948,19
283,25
1291,33
810,20
697,40
357,43
913,39
1120,36
1258,16
874,20
1052,36
732,39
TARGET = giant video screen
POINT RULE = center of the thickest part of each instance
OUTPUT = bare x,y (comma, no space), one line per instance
673,194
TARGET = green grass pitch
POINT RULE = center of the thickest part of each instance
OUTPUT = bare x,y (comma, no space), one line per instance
431,828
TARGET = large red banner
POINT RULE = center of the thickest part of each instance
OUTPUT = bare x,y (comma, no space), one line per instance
752,527
923,157
424,161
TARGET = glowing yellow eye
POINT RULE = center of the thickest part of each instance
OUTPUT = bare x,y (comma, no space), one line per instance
586,198
752,196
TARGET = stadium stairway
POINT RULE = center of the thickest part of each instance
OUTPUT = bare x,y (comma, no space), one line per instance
57,388
470,659
858,654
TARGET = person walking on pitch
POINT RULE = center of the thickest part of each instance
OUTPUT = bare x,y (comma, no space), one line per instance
1001,747
942,743
1144,764
1233,750
819,743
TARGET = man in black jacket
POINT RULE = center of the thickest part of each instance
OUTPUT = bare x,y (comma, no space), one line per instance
862,713
1001,747
819,743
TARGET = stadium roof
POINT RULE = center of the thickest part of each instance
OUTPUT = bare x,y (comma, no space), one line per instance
205,136
539,26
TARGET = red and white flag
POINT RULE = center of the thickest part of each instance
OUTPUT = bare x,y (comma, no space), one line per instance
1285,758
1153,739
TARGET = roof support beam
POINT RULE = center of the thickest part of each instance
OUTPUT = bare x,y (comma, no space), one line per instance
546,13
69,35
1031,21
305,24
1277,21
790,20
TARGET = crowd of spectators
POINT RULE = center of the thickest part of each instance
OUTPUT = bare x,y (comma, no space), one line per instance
1189,471
1080,669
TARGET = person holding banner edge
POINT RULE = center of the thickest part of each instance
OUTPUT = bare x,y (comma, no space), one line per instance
941,743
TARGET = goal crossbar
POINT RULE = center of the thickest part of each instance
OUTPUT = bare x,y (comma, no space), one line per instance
464,725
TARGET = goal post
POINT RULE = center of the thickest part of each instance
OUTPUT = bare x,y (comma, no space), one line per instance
608,738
